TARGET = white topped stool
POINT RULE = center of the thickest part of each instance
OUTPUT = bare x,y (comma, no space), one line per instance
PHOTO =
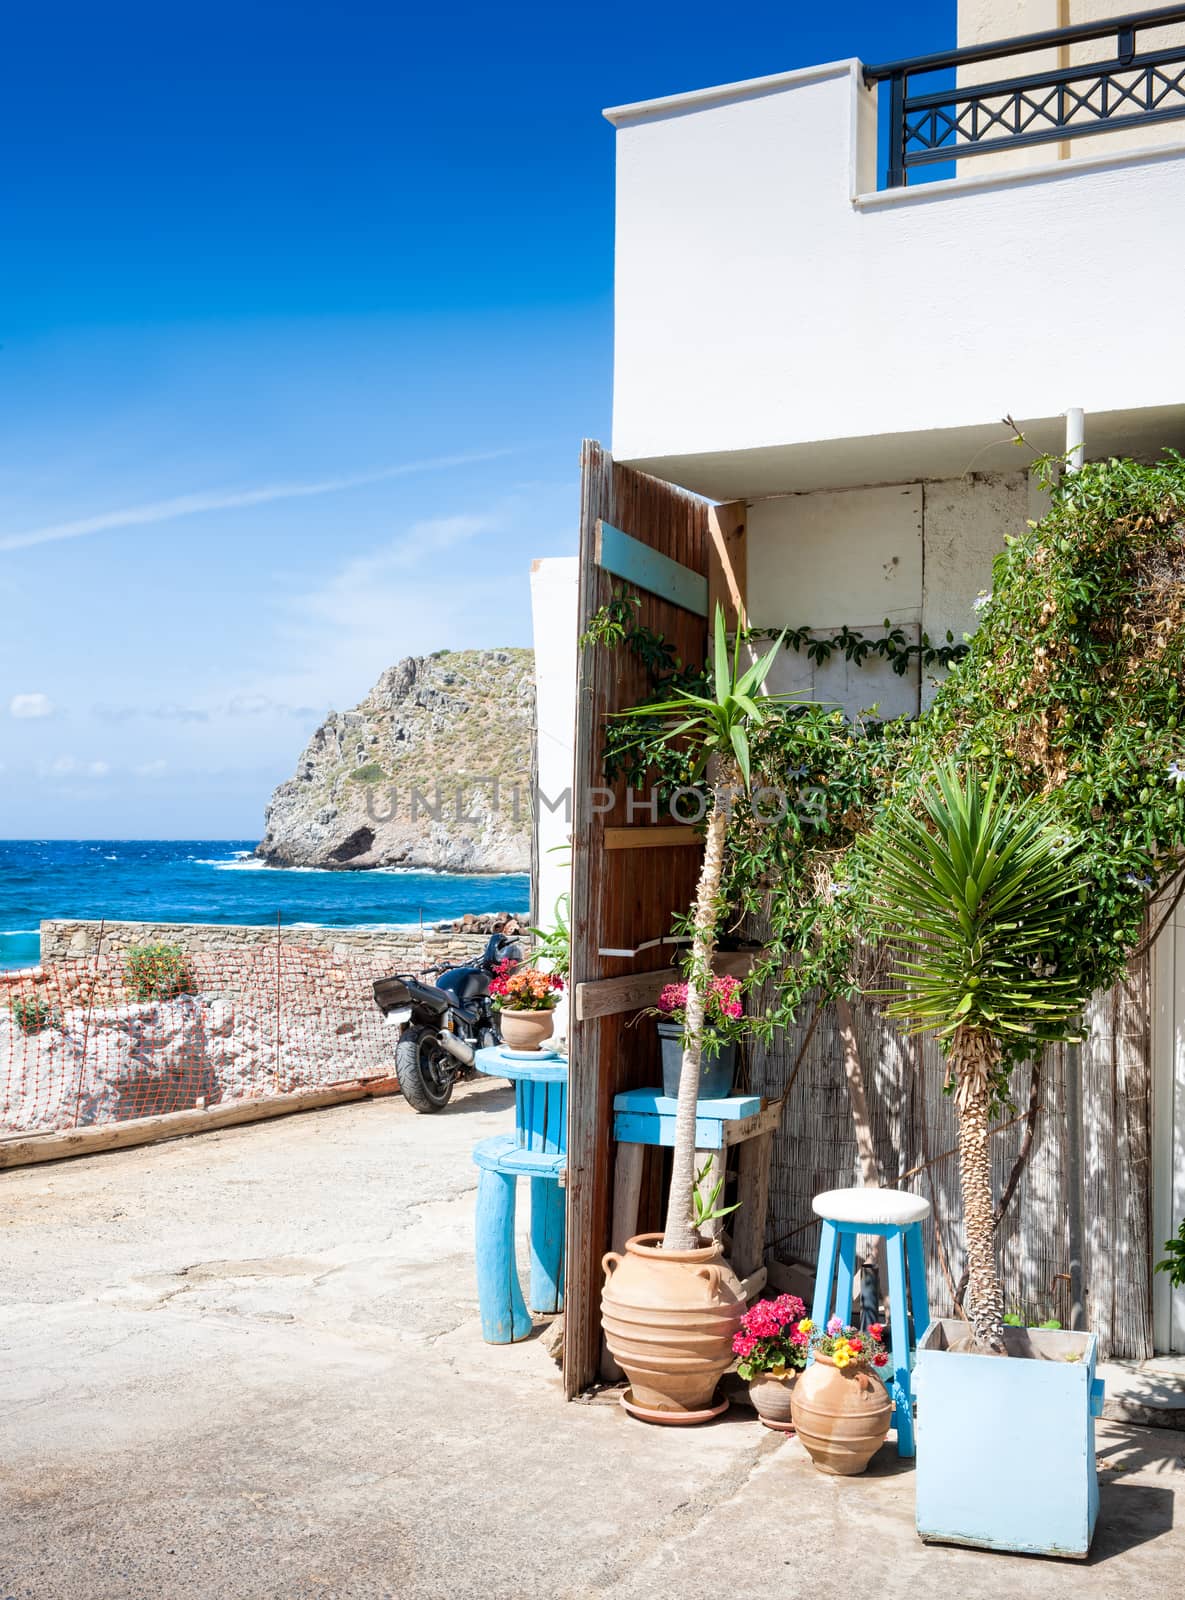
895,1217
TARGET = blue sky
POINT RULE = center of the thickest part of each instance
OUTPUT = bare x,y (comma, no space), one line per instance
304,310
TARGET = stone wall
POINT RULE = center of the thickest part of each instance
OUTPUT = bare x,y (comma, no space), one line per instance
402,948
250,1018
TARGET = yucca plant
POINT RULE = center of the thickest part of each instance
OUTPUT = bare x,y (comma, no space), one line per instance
709,728
974,894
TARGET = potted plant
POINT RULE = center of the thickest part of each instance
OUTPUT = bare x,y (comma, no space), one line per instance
977,896
670,1308
772,1342
525,1000
718,1057
840,1407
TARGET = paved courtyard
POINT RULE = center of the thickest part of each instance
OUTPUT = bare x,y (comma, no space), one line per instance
247,1367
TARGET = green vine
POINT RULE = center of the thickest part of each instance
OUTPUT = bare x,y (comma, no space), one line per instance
1072,686
893,646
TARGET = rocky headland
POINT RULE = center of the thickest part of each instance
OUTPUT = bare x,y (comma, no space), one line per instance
431,770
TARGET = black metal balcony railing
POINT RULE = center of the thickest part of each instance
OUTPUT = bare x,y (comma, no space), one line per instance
1129,91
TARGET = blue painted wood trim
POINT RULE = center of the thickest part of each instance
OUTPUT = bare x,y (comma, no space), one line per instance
899,1335
846,1276
548,1069
503,1153
547,1246
504,1315
730,1109
631,1128
626,557
824,1272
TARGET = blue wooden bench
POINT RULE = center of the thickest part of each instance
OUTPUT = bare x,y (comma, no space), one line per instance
537,1149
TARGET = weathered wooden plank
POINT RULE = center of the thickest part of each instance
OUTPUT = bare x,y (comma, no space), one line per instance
627,1192
727,573
748,1223
621,898
650,837
26,1151
607,997
647,568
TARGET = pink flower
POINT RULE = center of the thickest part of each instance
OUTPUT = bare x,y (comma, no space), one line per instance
673,998
743,1345
834,1326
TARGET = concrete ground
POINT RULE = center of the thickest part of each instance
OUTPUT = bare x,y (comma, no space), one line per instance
247,1366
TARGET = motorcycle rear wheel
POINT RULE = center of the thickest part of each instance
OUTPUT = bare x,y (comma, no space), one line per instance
424,1071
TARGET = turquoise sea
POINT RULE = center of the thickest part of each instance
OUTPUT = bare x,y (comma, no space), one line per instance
188,880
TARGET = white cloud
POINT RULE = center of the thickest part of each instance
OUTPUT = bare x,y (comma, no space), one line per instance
151,769
242,704
70,767
30,705
188,505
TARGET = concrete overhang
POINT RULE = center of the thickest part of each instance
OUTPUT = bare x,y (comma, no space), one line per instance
910,457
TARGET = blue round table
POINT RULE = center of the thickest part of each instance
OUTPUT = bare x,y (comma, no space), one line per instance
537,1149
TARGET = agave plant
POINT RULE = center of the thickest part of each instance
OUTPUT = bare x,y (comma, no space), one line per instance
972,893
709,727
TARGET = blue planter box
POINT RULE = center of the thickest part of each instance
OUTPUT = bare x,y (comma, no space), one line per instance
1006,1447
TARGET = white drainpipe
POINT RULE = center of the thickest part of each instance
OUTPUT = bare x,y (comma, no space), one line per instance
1075,439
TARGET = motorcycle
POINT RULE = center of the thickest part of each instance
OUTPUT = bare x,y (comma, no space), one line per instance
443,1024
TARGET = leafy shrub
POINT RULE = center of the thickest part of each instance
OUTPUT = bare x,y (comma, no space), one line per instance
1174,1261
156,972
370,773
31,1012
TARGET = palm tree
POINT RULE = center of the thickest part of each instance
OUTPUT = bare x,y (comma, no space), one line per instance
972,893
714,728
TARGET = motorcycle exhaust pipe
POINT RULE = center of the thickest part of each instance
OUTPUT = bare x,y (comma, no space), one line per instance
457,1048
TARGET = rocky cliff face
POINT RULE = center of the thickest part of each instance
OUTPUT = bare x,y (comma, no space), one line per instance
431,770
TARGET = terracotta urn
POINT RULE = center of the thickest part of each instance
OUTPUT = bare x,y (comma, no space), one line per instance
669,1318
526,1030
841,1414
772,1397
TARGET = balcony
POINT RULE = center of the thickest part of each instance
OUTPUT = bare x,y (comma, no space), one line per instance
782,324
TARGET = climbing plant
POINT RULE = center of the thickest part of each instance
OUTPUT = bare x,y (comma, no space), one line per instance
1071,688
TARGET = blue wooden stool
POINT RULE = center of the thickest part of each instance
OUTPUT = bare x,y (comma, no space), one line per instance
895,1217
537,1149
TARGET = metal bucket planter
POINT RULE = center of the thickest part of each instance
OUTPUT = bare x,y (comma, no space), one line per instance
1006,1446
716,1072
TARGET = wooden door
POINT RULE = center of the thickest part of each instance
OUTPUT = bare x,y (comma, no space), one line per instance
622,897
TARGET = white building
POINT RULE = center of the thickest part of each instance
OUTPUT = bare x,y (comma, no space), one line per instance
833,358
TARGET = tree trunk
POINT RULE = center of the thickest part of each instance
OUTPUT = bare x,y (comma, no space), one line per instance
681,1232
973,1056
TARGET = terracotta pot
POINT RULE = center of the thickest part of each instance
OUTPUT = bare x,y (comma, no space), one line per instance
771,1399
525,1030
669,1318
841,1415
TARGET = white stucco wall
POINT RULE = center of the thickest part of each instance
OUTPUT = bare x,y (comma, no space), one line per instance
554,615
766,300
916,554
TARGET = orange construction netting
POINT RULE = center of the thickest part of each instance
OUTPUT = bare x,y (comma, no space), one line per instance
100,1039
